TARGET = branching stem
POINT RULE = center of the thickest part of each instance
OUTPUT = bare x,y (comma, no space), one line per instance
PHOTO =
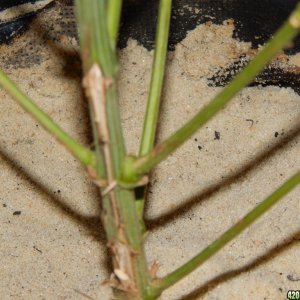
156,84
145,163
130,278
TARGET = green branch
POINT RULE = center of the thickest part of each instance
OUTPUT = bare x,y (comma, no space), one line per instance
229,235
80,152
114,13
135,168
158,68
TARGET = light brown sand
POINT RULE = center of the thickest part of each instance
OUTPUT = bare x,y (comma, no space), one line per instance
55,248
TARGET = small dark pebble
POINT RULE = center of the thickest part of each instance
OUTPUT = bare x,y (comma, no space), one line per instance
250,120
280,289
276,134
195,139
4,205
17,213
37,249
58,191
292,277
217,135
199,147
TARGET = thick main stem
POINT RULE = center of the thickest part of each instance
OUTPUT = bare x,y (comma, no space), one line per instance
130,272
129,229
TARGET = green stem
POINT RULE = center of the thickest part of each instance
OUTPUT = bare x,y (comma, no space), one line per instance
80,152
94,42
285,34
118,213
96,48
114,12
158,68
230,234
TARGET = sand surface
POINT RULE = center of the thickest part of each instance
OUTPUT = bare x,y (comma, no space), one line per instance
52,244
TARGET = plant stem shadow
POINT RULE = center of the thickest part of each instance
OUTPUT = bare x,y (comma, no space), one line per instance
92,224
259,261
204,195
70,68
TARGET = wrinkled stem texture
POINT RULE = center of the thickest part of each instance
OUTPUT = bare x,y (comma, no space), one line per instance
130,277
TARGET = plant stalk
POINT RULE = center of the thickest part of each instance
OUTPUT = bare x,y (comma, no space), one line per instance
114,8
157,76
142,165
229,235
156,84
83,154
130,278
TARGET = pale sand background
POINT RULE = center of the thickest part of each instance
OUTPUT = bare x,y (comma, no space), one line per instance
55,248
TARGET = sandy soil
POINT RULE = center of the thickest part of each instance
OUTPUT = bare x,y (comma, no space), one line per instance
52,244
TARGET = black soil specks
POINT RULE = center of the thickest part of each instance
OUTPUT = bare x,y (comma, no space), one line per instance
217,135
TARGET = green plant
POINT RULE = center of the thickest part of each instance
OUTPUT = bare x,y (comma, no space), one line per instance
115,173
